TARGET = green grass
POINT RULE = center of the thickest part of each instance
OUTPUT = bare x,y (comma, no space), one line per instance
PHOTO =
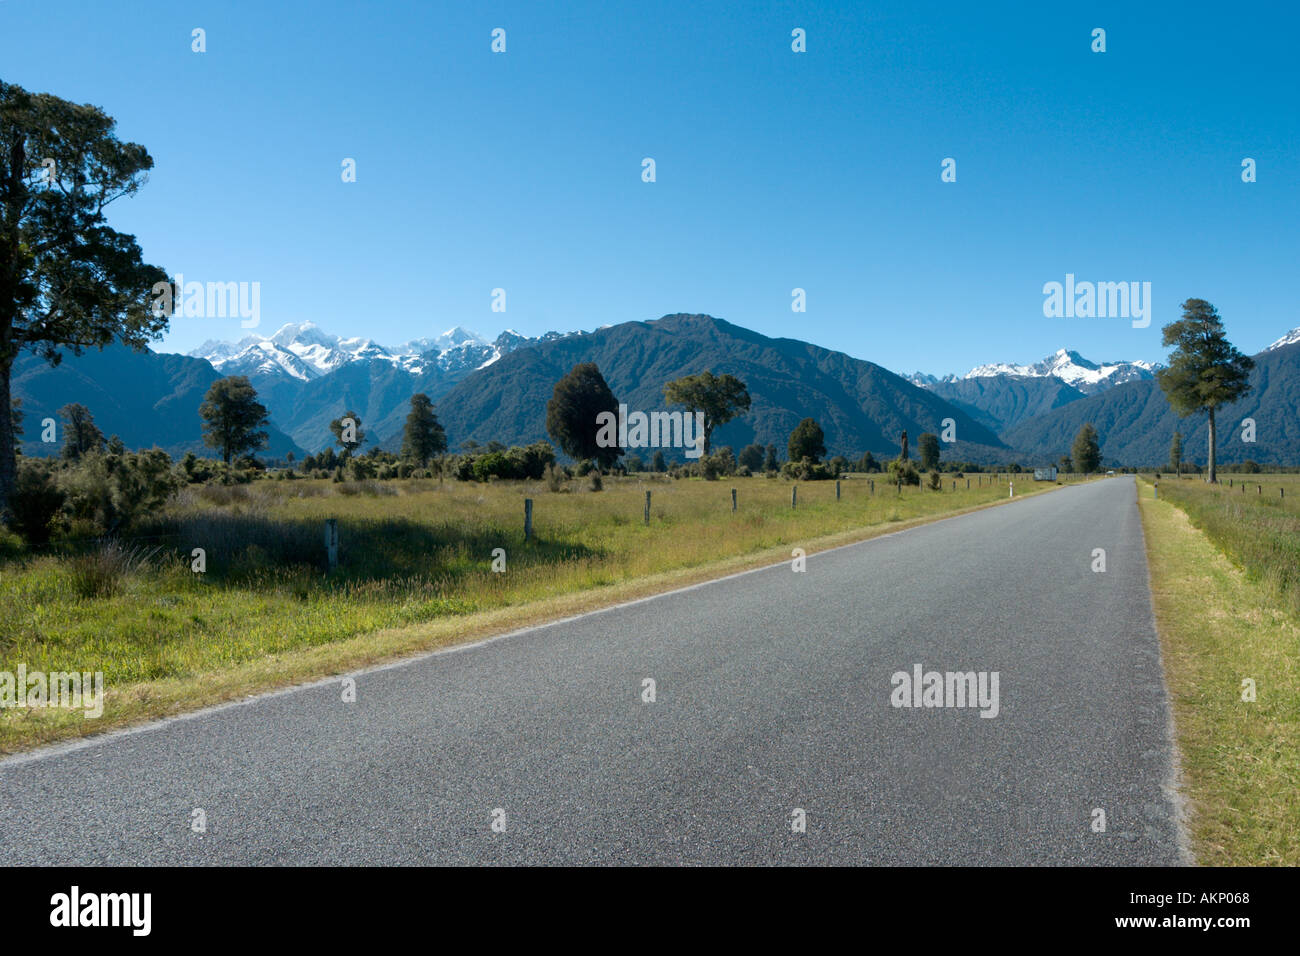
1222,575
1255,520
415,572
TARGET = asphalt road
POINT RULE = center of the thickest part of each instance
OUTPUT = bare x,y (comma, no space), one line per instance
773,694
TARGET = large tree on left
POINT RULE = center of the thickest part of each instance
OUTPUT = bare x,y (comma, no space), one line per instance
67,280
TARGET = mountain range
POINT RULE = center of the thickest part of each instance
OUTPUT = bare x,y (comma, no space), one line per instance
497,390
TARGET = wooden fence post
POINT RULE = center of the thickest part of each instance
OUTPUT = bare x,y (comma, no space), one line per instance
794,496
733,499
837,490
528,518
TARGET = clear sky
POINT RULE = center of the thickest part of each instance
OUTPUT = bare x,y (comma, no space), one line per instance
775,169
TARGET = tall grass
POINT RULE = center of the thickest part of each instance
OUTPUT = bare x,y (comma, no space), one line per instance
103,571
1255,522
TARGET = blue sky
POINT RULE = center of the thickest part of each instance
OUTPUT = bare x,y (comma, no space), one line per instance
775,170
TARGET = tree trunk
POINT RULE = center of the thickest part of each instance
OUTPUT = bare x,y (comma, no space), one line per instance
1213,476
8,465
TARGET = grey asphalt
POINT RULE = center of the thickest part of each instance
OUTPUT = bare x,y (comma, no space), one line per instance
773,693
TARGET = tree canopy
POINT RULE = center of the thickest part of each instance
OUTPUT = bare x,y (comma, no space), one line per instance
927,446
807,441
81,436
67,279
1086,450
571,414
347,431
233,417
1205,370
720,397
422,436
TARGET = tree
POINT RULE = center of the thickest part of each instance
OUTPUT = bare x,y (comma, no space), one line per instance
574,411
1205,370
720,397
423,436
1066,465
902,440
67,280
347,431
751,457
16,411
1086,451
1176,454
771,462
868,463
807,441
233,417
927,446
80,436
657,462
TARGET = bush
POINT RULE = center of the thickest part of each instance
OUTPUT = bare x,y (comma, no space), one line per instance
904,472
596,483
805,469
712,467
936,481
37,500
493,465
114,491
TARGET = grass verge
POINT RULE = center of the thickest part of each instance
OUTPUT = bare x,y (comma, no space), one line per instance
1220,625
213,680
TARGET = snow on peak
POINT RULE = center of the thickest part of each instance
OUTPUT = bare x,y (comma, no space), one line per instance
1073,369
1290,338
306,351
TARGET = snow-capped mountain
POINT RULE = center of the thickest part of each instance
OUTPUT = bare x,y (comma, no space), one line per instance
305,352
1291,338
1066,366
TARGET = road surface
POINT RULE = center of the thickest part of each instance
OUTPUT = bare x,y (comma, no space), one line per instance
774,694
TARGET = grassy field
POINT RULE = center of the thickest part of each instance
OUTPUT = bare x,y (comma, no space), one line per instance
1223,574
1255,520
415,572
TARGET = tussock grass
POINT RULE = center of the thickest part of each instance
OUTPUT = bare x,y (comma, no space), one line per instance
1226,612
414,572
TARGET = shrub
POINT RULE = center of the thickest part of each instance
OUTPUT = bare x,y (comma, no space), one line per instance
36,501
114,491
712,467
936,481
805,469
596,483
904,472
